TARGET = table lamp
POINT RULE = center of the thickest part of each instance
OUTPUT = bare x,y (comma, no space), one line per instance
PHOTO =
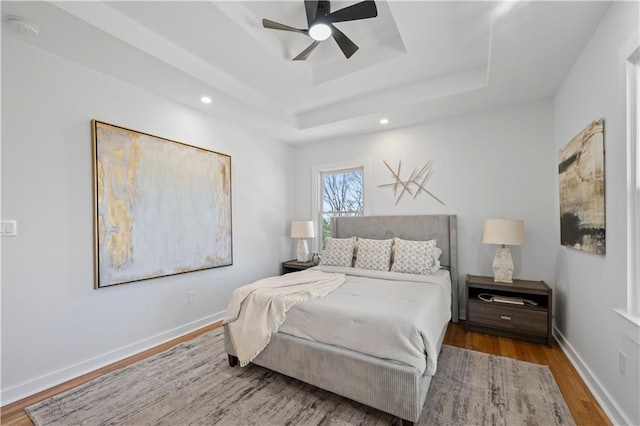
302,229
504,232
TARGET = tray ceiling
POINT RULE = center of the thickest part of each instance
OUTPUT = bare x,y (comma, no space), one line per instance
418,61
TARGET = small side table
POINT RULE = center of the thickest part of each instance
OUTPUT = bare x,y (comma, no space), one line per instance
524,322
294,266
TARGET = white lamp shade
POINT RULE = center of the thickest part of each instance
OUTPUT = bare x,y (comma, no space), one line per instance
302,229
503,231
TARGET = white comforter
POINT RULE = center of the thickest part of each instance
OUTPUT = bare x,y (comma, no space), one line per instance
387,315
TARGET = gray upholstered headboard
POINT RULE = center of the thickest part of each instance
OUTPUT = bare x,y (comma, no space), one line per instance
443,228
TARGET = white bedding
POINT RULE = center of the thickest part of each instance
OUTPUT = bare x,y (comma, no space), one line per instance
387,315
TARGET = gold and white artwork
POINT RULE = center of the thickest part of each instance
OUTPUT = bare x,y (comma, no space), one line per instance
161,207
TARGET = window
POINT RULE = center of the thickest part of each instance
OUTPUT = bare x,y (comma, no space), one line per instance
342,195
633,162
339,190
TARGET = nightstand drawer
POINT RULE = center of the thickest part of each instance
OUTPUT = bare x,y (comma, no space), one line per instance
508,318
294,266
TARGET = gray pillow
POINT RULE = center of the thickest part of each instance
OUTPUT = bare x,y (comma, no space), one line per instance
374,254
338,251
414,257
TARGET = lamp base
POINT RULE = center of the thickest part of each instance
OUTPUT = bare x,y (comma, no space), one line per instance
503,266
302,251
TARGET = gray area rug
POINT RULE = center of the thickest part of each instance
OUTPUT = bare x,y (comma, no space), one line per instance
192,384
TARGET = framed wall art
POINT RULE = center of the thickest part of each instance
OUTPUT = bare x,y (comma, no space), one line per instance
160,207
582,190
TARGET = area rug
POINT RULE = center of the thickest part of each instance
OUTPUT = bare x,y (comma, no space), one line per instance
192,384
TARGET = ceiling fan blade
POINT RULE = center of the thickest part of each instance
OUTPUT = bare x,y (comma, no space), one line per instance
362,10
311,7
277,26
347,46
306,52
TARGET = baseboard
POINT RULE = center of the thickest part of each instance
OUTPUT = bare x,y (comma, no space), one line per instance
609,406
63,375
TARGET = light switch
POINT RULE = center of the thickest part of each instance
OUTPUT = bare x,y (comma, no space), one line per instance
9,228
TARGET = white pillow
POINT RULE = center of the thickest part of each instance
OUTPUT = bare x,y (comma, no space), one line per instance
437,252
338,251
374,254
414,257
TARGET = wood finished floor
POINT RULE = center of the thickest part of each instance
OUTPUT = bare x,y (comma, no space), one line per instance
583,406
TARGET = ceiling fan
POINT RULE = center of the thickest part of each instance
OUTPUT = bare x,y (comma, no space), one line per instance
320,21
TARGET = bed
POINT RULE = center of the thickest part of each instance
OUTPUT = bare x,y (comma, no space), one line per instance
390,384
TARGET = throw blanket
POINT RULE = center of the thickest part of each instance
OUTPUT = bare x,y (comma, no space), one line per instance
257,310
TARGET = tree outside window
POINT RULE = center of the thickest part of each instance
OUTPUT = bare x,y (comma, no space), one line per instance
342,195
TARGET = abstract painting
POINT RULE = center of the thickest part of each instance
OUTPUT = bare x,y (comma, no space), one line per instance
582,202
160,207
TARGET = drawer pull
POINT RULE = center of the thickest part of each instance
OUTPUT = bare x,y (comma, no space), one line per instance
505,317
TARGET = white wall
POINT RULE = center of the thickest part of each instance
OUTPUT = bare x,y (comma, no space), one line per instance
589,287
54,324
494,164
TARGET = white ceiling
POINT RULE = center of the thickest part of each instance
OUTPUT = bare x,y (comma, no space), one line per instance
418,60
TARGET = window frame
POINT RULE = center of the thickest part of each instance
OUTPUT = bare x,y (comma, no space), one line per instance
317,172
633,182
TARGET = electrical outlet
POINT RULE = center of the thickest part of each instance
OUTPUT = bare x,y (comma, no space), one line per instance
191,297
622,361
9,228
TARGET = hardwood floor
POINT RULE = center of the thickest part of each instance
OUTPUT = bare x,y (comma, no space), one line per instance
14,414
583,406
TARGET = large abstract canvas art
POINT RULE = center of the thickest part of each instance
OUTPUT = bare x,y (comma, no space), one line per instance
161,207
582,190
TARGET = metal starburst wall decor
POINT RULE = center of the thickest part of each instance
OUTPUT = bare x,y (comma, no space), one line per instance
414,185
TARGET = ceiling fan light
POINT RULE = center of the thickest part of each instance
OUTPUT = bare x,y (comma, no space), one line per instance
320,32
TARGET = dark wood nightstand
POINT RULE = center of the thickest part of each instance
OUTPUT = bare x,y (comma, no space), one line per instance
294,266
524,322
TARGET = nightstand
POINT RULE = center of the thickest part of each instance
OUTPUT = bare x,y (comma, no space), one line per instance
524,322
294,266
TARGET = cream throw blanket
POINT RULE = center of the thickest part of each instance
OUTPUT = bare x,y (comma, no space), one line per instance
257,310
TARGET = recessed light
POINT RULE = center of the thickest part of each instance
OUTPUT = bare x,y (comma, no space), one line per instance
205,100
384,121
